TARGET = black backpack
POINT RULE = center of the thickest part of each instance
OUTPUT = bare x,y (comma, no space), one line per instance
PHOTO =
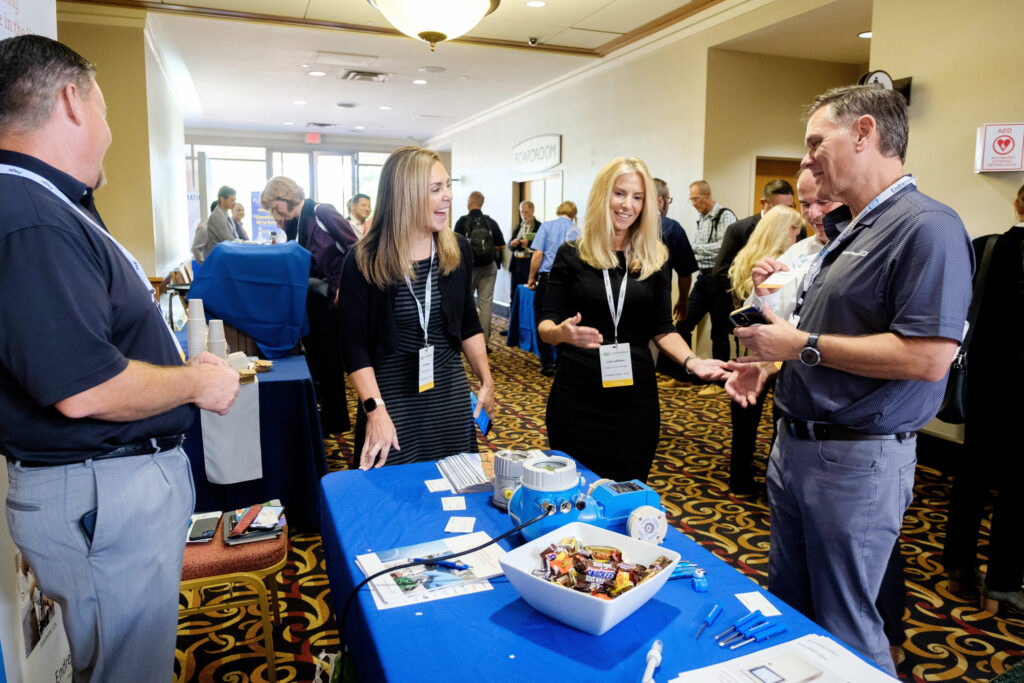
481,239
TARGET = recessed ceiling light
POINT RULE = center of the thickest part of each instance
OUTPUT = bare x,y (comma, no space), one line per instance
289,123
419,81
359,128
864,34
299,102
463,78
536,3
432,69
385,107
317,73
304,66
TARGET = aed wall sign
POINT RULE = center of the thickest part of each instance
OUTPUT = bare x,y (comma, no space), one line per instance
1000,147
537,154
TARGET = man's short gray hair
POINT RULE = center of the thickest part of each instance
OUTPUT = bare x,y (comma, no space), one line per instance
527,202
33,69
888,108
662,188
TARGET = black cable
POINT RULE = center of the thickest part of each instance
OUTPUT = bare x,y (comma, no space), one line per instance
549,510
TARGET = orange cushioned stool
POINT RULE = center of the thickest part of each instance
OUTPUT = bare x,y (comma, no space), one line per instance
215,564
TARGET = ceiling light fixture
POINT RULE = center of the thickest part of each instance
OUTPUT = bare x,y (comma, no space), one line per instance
536,3
419,81
289,123
317,73
359,128
434,22
864,34
385,107
299,102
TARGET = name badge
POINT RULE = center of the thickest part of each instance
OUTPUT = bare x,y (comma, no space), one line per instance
426,380
616,365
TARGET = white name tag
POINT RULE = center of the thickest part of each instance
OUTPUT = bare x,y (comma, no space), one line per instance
616,365
426,380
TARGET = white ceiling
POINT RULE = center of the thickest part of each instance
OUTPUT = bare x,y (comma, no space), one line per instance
237,64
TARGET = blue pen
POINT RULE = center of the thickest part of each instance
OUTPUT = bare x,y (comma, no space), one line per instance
442,563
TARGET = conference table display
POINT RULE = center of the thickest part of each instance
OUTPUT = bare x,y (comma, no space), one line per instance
488,631
292,452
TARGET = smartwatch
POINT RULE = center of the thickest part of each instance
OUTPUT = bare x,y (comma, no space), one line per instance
810,355
371,404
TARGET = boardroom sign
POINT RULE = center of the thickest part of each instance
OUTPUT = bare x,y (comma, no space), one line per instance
537,154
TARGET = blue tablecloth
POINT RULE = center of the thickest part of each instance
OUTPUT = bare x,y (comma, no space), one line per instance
259,290
290,441
495,635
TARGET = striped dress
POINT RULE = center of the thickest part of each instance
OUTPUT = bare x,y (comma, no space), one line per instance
437,422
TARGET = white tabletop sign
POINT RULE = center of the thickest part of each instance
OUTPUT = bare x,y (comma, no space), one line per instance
1000,147
537,154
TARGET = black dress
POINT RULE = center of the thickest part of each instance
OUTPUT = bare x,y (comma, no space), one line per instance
612,431
435,423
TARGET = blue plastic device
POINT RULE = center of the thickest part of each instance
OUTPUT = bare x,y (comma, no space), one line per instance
608,505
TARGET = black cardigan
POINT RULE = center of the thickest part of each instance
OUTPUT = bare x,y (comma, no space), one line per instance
368,330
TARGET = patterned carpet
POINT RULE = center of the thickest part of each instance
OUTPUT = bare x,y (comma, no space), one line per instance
949,638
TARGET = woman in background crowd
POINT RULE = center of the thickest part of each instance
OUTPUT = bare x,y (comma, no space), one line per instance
775,233
327,235
608,297
990,459
407,311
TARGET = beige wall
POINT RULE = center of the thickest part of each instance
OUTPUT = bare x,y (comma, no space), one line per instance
167,168
648,101
755,106
965,58
143,202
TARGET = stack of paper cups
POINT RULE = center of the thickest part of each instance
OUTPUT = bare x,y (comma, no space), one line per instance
215,342
196,328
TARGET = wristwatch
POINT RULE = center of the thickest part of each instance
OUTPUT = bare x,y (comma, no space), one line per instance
371,404
810,355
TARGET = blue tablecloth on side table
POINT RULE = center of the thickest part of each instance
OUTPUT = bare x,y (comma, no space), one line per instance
495,635
258,289
290,441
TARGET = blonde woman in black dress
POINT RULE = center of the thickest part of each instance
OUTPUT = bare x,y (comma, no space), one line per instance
609,295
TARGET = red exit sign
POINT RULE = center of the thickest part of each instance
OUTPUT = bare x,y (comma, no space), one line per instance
312,138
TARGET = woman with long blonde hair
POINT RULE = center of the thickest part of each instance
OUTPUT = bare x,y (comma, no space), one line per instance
777,231
407,312
609,295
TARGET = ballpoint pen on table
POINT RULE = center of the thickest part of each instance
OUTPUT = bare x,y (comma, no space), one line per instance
442,563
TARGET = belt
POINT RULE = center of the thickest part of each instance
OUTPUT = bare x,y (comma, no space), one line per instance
822,431
146,447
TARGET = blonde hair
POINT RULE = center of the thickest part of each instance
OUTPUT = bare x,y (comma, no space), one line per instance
567,209
385,254
281,188
647,253
770,238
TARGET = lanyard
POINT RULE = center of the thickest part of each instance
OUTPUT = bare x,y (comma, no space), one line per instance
423,315
136,266
616,311
819,262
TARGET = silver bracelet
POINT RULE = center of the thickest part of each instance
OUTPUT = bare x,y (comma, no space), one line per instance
686,363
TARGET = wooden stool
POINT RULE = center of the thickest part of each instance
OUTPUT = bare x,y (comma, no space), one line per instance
215,563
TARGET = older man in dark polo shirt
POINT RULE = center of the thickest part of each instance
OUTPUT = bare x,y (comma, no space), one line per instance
880,315
94,398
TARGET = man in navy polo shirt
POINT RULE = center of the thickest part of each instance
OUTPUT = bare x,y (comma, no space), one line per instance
94,398
877,324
